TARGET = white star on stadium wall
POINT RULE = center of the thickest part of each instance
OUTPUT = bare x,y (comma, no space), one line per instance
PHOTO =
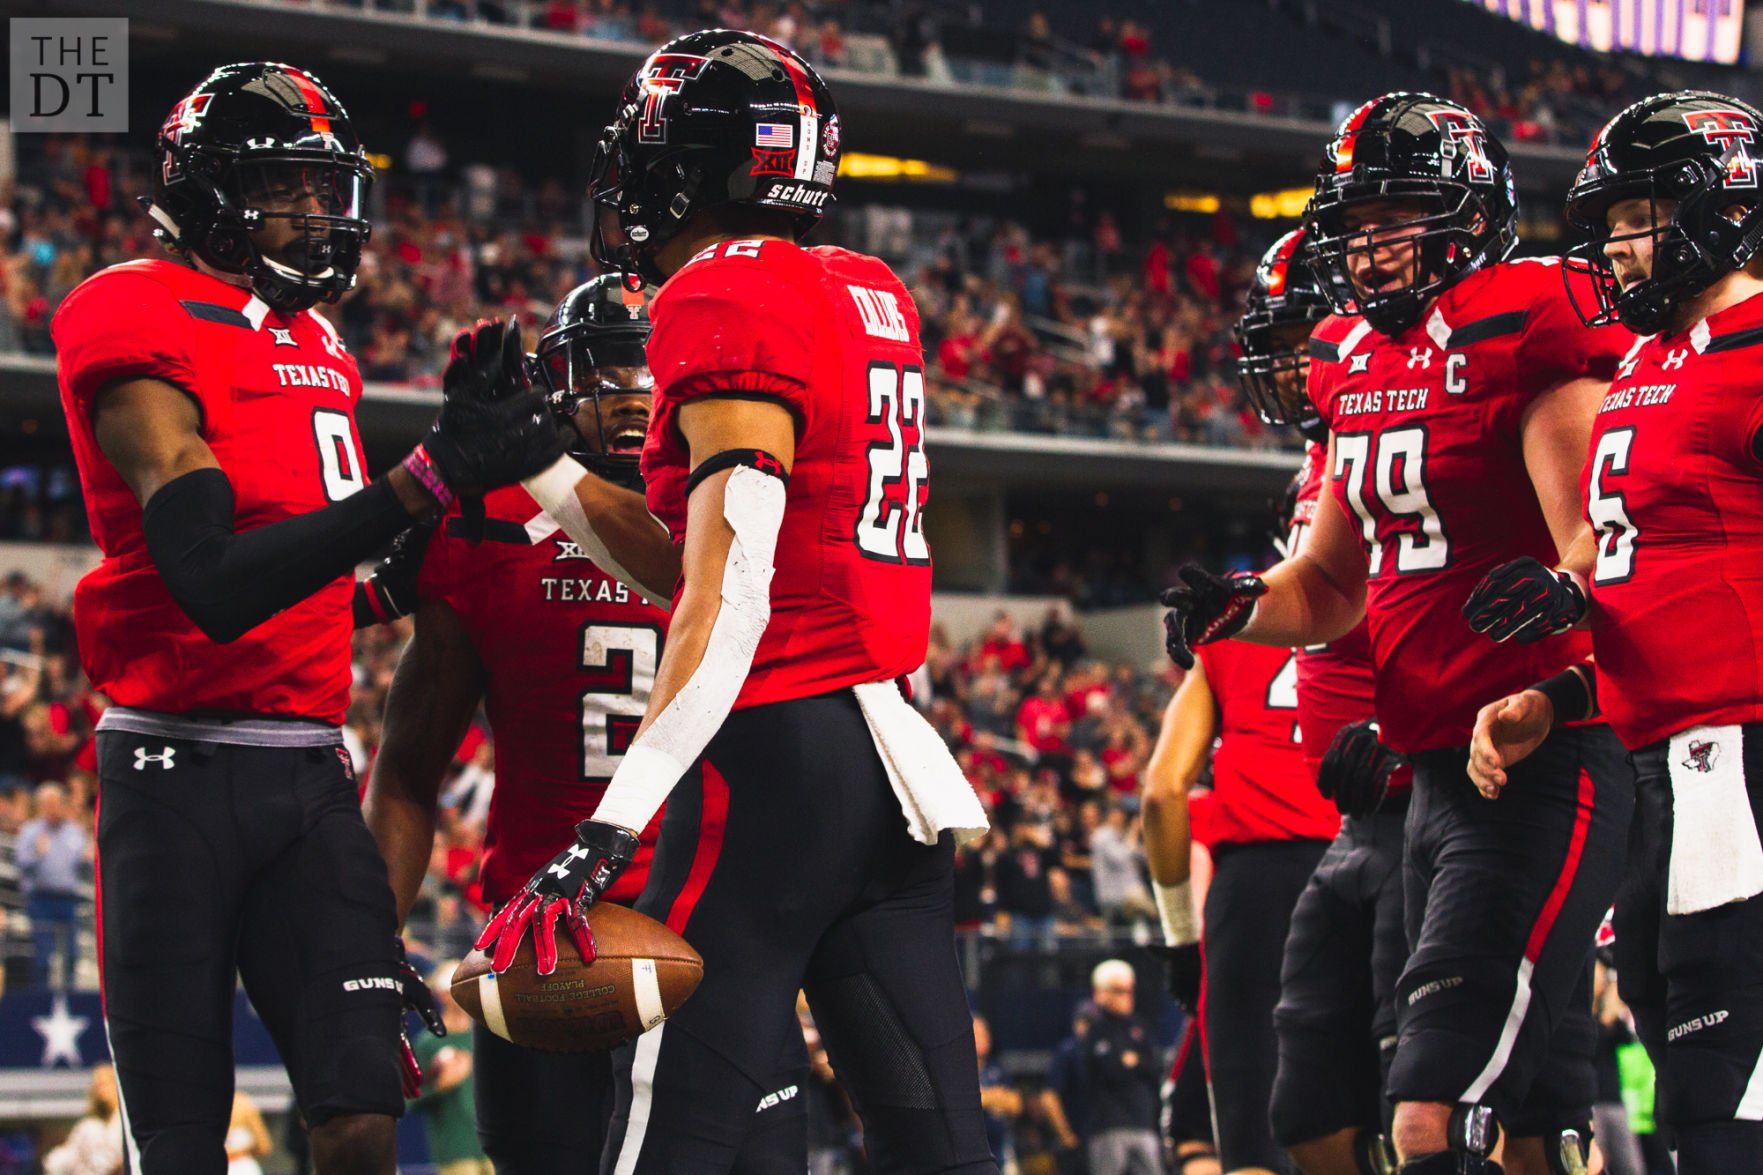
61,1034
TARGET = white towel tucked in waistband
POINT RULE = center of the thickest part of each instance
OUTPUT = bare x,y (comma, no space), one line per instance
933,793
1716,856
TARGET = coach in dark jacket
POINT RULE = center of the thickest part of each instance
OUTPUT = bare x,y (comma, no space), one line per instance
1124,1068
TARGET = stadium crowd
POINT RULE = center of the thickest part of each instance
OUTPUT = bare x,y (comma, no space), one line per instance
1086,334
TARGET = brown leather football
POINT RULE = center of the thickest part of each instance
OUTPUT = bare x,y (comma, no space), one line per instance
642,972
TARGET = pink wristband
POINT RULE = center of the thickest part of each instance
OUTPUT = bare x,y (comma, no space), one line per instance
422,467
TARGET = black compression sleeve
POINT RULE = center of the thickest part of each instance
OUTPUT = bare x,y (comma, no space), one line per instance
229,581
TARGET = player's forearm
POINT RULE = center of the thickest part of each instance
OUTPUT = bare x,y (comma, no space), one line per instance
612,525
731,538
1304,605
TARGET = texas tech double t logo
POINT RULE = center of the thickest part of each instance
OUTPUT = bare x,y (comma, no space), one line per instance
1733,133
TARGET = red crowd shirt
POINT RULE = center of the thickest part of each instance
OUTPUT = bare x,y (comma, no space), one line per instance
833,335
1261,789
1428,459
277,395
1675,494
569,656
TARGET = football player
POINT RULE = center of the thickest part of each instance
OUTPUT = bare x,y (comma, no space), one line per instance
786,454
212,416
1670,576
1336,1019
1459,392
1269,827
562,655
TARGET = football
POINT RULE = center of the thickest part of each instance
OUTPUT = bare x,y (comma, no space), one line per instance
642,974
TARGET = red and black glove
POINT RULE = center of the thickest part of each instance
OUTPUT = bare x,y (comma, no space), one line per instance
419,999
573,881
1204,608
1525,600
1355,772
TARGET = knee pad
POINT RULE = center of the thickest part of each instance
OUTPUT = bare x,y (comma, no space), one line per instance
1471,1134
1569,1150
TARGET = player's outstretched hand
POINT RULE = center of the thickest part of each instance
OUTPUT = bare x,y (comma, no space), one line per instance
493,429
419,999
1355,772
390,592
1204,607
573,881
1526,600
1505,732
1183,968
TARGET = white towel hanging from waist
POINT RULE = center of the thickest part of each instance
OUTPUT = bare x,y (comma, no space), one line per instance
933,793
1716,857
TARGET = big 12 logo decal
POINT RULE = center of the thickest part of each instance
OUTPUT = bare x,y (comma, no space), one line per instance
662,77
1465,133
1733,133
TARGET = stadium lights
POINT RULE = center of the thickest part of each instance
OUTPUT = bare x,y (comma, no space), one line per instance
1286,204
858,166
1202,202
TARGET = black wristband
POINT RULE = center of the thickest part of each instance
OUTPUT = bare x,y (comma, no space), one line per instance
729,458
1573,692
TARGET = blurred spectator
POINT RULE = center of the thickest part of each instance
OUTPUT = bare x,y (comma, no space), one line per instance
95,1145
1115,857
1123,1070
1065,1101
446,1104
54,857
247,1139
1001,1101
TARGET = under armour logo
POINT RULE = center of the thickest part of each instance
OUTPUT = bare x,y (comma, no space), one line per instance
284,336
560,869
1419,357
1675,359
1703,756
1358,363
142,758
766,463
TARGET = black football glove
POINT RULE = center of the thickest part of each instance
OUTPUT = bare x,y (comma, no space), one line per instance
573,881
419,999
1525,600
390,592
1355,772
493,429
1205,607
1183,969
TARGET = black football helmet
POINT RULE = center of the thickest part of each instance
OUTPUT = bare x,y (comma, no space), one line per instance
1407,146
711,118
1283,294
592,346
255,142
1696,150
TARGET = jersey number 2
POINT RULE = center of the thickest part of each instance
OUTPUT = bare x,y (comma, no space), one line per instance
1282,692
618,671
337,459
892,529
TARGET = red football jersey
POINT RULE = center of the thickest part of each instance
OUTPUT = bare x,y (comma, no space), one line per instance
277,394
1261,788
1428,459
1335,686
569,656
1676,496
834,335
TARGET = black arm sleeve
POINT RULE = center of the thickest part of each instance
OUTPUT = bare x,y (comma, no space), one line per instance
228,582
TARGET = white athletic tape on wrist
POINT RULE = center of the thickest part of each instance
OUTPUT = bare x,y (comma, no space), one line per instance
554,491
753,506
1175,906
